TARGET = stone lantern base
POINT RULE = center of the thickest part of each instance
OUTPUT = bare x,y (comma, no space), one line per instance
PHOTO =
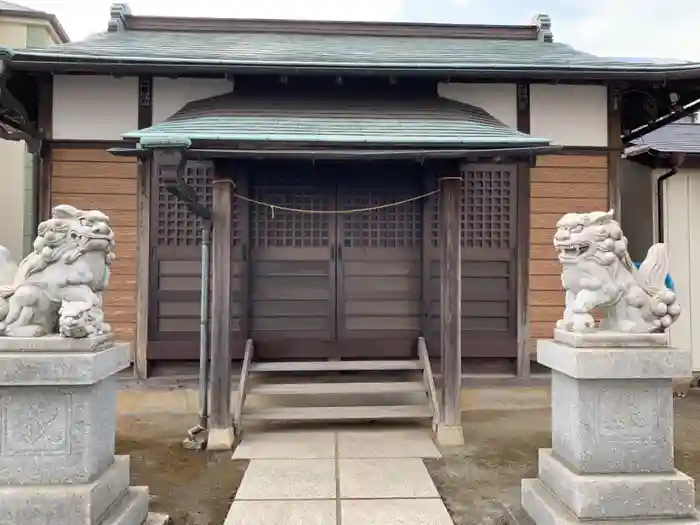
612,433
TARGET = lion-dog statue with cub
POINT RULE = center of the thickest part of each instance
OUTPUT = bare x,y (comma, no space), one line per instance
598,274
57,288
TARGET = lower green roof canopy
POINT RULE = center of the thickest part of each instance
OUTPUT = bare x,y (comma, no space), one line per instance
404,122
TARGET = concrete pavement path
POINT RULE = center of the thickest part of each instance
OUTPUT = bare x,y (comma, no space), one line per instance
344,477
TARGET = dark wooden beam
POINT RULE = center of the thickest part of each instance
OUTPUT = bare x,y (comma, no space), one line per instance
221,423
450,427
43,158
145,102
523,239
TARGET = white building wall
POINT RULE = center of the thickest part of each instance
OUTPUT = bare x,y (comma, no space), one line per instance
171,94
13,33
102,107
498,99
570,115
94,107
682,235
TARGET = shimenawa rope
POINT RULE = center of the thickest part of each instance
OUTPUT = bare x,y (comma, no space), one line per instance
274,207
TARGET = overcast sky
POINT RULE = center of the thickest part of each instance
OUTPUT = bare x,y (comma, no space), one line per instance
627,28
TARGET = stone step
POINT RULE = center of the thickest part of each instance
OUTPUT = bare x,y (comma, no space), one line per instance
357,388
132,509
337,413
335,366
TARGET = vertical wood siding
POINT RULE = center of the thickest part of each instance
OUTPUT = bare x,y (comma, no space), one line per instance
559,184
94,179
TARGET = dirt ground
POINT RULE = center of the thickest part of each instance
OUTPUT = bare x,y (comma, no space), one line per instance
480,482
194,488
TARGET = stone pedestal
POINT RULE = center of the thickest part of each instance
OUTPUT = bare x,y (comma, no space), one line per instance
57,433
612,434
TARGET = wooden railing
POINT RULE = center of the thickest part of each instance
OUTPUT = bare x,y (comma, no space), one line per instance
429,381
242,386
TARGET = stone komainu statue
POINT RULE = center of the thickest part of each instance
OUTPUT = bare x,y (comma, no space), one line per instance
57,289
597,273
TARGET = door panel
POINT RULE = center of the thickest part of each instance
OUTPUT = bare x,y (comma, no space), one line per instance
489,241
292,292
176,270
379,261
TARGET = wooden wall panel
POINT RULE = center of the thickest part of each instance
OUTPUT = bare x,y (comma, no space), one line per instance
94,179
559,184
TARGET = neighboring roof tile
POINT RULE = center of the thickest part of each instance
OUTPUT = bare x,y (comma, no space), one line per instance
426,122
334,51
9,6
679,137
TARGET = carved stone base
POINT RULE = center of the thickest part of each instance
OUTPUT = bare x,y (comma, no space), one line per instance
603,338
57,435
545,509
612,438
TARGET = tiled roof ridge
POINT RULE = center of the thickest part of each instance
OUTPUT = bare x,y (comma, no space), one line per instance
122,19
117,12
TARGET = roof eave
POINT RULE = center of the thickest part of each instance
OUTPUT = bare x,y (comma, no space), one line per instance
33,62
170,140
351,153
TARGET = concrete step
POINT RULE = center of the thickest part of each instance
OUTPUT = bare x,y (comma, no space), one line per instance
334,366
337,413
357,388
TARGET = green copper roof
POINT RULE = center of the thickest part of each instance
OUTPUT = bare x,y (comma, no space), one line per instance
414,122
338,52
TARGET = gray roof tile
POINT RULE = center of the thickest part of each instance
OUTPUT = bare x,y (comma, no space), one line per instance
329,50
424,122
679,137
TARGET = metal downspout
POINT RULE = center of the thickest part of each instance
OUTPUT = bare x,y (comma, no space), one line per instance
660,201
204,347
676,160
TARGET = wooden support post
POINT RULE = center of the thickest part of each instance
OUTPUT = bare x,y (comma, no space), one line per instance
522,317
143,281
221,435
450,426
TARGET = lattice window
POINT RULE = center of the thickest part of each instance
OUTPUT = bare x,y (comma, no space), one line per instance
489,194
176,225
393,227
486,209
280,228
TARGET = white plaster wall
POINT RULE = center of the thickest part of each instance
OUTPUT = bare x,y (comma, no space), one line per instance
13,33
498,99
171,94
94,107
570,115
682,235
